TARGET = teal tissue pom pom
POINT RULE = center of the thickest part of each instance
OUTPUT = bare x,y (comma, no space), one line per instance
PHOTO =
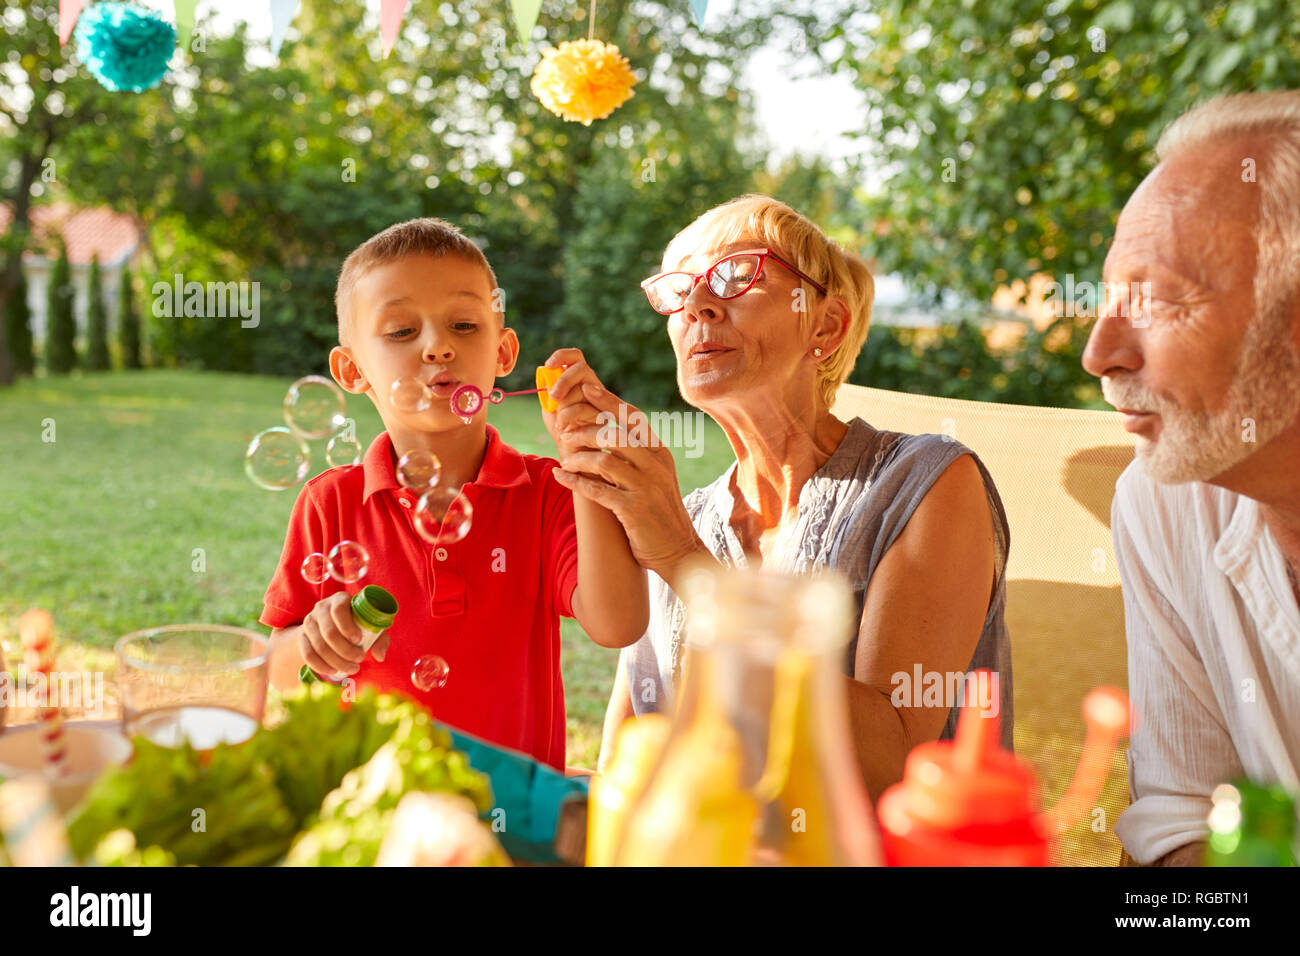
125,46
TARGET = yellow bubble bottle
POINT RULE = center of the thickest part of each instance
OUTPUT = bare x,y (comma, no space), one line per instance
545,378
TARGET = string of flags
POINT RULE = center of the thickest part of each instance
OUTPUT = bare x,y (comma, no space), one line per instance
391,13
69,10
127,47
282,12
184,22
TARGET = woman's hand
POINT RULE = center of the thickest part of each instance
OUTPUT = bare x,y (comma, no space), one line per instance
629,472
571,404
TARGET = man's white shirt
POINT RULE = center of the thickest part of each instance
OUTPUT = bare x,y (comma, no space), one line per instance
1213,655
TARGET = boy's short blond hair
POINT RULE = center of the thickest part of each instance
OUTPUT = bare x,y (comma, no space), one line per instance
428,236
769,222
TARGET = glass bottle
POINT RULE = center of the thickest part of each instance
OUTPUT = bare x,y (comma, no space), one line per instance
758,768
1251,825
614,791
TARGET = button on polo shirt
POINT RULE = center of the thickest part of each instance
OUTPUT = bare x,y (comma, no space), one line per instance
489,604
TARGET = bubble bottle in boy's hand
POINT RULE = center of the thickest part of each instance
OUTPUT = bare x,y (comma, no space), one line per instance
374,609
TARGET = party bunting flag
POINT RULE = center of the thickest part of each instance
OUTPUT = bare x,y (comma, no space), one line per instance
525,17
700,8
69,10
390,21
282,14
184,22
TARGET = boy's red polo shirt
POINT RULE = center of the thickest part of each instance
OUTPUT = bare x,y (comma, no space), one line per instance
490,604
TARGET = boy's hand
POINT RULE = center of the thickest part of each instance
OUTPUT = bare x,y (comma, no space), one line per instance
330,638
574,411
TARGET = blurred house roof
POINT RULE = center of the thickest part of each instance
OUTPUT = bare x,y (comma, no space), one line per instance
114,236
897,304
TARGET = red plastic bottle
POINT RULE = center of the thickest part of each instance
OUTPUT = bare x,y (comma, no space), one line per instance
968,802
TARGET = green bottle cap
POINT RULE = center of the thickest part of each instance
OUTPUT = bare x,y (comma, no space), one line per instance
1251,825
374,608
307,675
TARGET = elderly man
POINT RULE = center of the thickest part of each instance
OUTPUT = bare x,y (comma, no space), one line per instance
1200,350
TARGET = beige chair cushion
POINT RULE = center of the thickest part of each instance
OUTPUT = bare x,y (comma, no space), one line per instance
1055,470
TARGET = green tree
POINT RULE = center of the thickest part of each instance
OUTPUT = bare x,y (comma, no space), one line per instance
955,361
96,322
1008,135
458,81
604,200
60,319
347,142
128,320
278,202
18,327
627,213
44,97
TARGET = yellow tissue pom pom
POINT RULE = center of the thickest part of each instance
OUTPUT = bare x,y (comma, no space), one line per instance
583,80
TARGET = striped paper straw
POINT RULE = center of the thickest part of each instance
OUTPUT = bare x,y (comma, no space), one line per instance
36,628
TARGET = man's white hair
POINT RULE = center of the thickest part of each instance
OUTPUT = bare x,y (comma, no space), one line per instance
1276,116
1199,445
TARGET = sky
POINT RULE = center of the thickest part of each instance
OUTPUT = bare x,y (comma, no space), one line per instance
813,112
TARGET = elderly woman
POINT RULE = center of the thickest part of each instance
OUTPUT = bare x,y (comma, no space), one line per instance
766,316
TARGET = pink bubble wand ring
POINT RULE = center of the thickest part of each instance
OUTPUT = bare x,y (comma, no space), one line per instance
469,399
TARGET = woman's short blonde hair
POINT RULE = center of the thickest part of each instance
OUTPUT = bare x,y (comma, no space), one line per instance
768,222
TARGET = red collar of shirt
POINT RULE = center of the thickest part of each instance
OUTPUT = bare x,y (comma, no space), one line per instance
502,467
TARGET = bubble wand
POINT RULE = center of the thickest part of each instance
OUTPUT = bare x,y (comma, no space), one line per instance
469,399
36,628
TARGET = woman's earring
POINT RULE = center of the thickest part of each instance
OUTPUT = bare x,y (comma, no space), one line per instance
817,353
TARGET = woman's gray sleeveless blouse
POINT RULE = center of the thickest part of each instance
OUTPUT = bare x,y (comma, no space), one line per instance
850,513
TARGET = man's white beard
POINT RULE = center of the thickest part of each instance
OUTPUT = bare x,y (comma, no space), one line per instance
1199,446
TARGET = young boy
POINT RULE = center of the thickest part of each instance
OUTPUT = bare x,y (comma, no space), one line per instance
419,300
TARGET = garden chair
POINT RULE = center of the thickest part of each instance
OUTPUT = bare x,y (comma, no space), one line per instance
1055,470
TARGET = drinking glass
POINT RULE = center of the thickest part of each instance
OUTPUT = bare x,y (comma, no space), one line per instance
205,684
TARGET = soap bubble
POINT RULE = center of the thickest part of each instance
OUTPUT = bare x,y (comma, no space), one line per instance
315,569
410,395
343,451
443,516
348,562
466,400
277,459
418,470
314,407
430,672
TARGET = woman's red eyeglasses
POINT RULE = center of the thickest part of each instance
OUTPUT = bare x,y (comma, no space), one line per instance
731,276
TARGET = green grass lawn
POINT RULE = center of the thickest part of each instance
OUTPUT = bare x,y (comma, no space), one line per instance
102,525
